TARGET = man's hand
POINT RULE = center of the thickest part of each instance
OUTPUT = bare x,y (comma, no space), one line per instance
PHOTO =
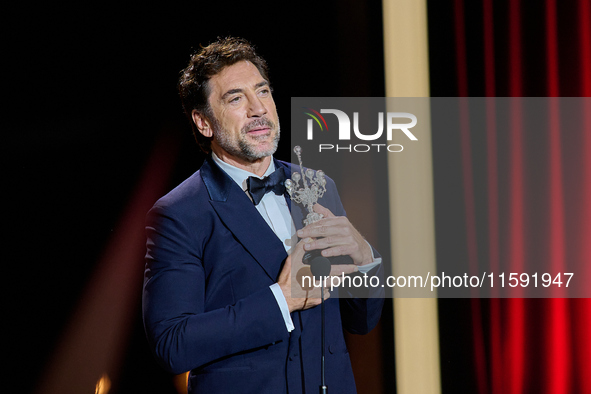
298,297
337,236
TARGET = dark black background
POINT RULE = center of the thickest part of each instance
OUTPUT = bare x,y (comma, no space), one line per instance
90,87
88,90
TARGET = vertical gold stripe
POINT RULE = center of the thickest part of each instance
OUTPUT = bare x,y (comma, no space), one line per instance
416,333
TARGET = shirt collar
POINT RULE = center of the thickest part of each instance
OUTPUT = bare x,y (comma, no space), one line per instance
239,175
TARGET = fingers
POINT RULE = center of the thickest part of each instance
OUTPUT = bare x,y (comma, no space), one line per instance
338,245
323,211
314,298
338,270
336,236
307,298
326,227
297,253
299,293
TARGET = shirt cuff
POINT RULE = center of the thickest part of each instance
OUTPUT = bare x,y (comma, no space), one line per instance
280,298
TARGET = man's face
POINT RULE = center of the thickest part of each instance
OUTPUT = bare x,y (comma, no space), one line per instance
245,125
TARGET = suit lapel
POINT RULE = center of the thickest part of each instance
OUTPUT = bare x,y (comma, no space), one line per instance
241,217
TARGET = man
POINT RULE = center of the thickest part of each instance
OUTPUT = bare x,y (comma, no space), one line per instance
218,281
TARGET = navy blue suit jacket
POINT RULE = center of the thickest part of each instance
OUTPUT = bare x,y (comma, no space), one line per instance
207,304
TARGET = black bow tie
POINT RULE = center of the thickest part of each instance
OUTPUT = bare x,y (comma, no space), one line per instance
257,188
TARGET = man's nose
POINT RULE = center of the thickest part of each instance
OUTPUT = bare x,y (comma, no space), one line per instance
257,107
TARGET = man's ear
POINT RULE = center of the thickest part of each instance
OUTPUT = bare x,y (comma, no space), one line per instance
203,125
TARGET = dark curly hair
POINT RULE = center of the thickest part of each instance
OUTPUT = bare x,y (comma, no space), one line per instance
210,60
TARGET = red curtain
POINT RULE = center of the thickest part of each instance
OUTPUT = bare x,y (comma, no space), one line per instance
538,203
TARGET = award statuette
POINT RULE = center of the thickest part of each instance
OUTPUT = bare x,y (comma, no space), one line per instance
308,196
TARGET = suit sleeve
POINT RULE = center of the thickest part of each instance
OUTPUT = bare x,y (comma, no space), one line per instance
184,335
361,308
361,312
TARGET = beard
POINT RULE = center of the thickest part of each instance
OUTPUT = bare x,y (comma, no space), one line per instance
246,147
